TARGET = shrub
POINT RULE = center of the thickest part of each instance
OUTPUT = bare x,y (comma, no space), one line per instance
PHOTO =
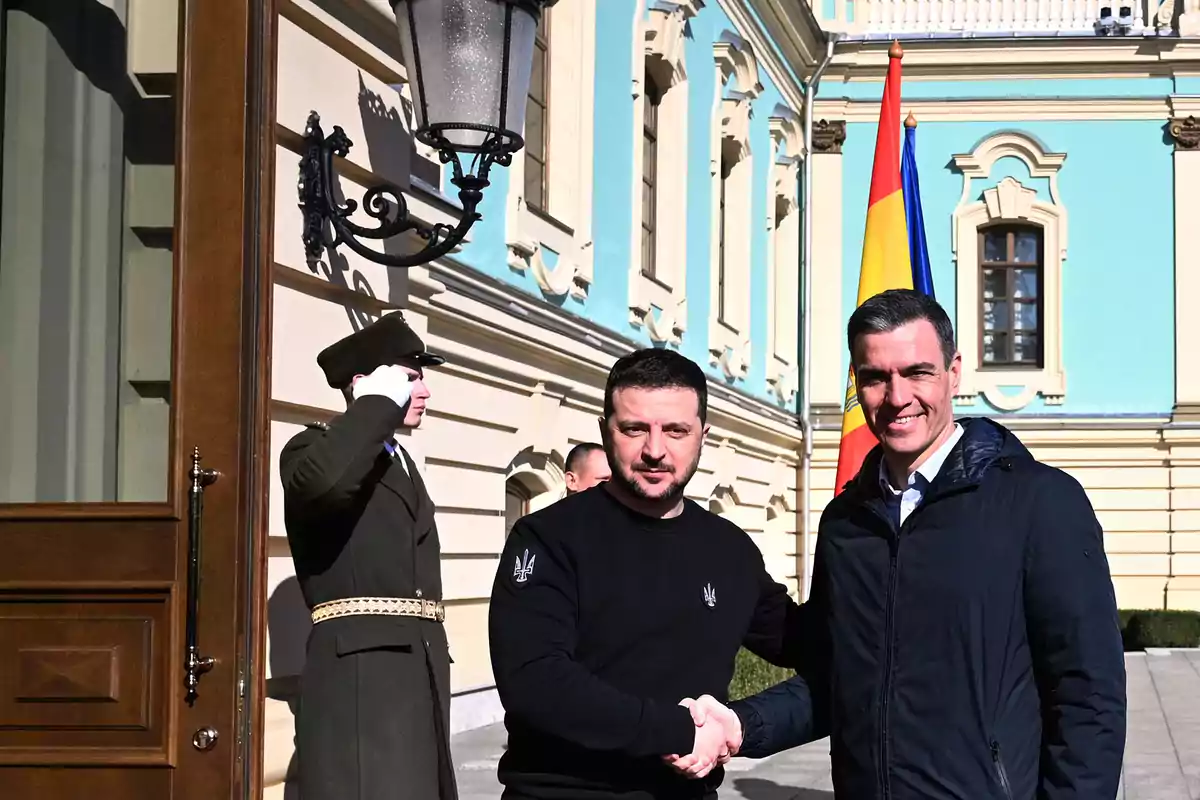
1142,628
751,675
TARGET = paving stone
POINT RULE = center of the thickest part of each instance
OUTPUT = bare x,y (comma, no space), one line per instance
1162,754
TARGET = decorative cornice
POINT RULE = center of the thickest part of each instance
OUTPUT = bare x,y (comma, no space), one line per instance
666,39
1004,58
828,136
1003,109
736,61
603,344
786,131
735,128
1186,133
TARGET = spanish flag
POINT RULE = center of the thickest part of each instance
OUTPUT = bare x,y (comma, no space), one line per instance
885,256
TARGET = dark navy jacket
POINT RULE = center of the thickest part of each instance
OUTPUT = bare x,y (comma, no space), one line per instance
974,653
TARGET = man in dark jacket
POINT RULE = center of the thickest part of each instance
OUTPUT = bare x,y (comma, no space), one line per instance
374,700
968,635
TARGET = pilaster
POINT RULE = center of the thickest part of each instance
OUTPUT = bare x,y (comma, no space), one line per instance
1185,132
828,327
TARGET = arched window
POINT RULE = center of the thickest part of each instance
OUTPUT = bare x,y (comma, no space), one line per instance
1010,296
516,503
1010,245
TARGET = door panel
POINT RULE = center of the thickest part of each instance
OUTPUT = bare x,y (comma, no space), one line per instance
86,273
131,320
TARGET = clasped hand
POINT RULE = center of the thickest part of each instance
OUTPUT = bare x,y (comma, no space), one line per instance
718,737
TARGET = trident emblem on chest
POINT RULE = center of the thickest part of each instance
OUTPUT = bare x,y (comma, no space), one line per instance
524,569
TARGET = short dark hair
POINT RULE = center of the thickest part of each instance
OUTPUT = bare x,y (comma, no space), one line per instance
656,368
578,453
895,308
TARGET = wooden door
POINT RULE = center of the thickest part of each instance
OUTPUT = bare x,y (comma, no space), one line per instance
132,323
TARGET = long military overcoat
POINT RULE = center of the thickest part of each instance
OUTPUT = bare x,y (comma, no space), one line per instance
373,717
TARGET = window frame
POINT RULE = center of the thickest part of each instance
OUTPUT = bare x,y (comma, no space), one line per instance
1010,230
541,48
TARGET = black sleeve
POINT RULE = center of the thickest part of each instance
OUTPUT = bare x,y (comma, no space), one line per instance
776,719
796,711
777,630
327,468
1075,640
532,627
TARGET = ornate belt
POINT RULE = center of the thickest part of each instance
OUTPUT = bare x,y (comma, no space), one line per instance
380,606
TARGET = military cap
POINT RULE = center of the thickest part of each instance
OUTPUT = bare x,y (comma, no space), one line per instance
388,340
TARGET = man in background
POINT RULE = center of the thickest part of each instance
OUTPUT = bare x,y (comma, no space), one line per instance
586,466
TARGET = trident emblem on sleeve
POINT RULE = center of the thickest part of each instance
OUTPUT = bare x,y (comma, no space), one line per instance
524,569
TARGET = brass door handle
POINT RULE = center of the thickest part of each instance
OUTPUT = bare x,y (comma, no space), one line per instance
195,664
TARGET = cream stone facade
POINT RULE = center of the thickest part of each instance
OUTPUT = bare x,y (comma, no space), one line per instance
534,309
524,379
1019,155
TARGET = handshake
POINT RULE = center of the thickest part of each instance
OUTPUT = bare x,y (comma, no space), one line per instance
718,737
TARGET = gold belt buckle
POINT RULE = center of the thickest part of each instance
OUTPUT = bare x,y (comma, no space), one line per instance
433,609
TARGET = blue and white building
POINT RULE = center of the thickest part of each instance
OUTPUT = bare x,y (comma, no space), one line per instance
661,200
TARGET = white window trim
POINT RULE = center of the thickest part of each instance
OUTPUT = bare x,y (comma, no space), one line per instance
661,31
729,339
1009,201
569,159
783,303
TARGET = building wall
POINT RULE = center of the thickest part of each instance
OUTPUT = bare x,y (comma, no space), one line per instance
1057,120
532,312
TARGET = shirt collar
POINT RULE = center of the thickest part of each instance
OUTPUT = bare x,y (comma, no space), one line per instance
928,470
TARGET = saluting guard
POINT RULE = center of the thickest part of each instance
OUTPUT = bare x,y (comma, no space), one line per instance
373,719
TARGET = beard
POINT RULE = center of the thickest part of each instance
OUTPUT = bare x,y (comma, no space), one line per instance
625,477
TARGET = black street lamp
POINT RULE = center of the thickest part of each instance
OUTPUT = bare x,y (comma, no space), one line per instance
468,66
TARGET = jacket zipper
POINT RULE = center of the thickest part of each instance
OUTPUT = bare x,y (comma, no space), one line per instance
889,632
1000,770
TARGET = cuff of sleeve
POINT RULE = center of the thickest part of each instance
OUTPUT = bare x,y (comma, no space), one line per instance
752,728
389,415
673,732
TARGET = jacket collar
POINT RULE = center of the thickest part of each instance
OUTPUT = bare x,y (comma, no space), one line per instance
982,444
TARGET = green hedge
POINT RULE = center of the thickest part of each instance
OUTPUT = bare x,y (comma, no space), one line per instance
1140,628
751,675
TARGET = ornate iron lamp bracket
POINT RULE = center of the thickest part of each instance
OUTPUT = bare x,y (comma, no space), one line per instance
385,203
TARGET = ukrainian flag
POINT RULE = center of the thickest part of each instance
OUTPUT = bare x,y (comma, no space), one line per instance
918,250
886,263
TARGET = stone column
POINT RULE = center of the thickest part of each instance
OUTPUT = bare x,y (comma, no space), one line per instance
828,326
1186,133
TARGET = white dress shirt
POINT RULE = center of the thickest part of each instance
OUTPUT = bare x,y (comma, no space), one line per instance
919,480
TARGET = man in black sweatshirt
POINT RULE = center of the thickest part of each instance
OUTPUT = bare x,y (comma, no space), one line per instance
612,605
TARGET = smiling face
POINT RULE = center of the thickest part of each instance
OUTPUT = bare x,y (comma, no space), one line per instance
653,439
906,391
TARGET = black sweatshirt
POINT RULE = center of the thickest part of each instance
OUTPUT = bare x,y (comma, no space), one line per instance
601,621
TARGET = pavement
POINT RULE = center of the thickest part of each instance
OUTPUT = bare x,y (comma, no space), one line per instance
1162,753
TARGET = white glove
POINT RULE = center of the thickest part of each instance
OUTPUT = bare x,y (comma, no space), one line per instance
389,381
